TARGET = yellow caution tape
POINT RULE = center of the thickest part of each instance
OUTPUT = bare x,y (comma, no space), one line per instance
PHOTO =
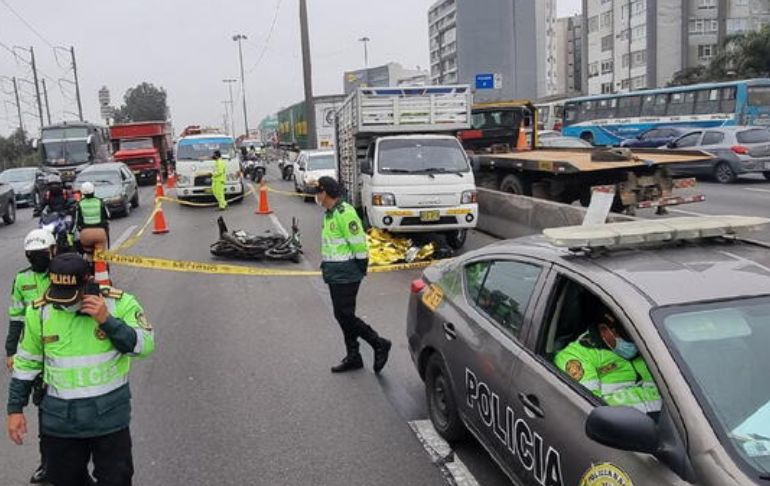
287,193
185,266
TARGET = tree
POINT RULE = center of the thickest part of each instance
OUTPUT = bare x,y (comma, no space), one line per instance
687,76
15,150
145,102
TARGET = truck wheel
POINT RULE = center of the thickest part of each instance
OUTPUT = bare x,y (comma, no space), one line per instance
724,174
588,137
10,213
457,239
442,404
514,184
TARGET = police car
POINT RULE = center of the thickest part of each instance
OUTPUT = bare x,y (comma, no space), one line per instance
691,293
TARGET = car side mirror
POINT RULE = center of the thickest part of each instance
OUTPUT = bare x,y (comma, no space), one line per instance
366,166
623,428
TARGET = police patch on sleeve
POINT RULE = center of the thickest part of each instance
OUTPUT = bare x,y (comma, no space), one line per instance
354,227
606,475
575,369
141,319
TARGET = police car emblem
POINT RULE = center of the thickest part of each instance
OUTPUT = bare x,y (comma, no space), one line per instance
143,322
606,475
100,334
575,369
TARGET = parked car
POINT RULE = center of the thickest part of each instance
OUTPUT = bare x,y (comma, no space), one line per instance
310,166
655,137
115,185
7,203
737,150
28,184
485,328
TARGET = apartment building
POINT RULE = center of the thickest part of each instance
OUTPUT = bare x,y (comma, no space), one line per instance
569,55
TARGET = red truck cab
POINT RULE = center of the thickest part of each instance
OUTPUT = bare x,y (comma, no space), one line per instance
143,146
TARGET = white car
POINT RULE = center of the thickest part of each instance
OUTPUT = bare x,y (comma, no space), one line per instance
310,166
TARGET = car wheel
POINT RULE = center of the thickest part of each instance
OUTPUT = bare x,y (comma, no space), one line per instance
35,199
766,174
457,239
10,213
127,209
135,200
442,405
514,184
724,174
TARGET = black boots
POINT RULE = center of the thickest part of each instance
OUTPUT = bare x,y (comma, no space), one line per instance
349,363
381,352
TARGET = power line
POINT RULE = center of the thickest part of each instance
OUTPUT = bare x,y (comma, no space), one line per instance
29,26
269,36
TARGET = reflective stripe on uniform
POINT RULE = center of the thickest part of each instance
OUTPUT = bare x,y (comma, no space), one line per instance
29,357
19,319
82,361
24,375
338,258
86,392
139,346
15,304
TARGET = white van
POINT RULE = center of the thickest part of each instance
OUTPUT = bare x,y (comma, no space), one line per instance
195,165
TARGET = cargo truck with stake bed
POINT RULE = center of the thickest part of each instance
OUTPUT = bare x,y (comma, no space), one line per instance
400,163
145,147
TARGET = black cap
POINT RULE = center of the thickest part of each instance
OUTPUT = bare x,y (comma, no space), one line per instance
326,184
68,273
217,154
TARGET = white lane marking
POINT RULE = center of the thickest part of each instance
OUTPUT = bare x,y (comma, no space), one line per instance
689,213
754,189
279,226
124,236
442,455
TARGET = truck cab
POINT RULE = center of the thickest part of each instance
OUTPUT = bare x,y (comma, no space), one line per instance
143,147
195,166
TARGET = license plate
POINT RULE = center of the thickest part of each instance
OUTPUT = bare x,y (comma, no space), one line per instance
207,190
430,216
433,297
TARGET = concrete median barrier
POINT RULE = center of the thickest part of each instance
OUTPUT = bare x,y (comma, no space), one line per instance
505,215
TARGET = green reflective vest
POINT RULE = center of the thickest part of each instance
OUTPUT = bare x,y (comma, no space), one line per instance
344,251
618,381
28,287
91,211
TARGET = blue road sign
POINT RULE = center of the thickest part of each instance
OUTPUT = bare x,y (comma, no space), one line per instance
485,81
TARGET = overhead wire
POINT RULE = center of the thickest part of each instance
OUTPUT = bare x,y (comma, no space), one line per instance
269,36
29,26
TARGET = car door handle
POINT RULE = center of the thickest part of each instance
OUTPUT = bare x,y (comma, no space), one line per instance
532,404
449,331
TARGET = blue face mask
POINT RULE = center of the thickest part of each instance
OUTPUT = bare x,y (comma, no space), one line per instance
625,349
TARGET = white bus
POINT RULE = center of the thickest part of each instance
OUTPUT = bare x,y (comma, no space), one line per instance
195,165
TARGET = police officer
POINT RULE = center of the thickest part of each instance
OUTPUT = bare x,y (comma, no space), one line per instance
218,180
607,362
82,340
92,220
345,259
28,286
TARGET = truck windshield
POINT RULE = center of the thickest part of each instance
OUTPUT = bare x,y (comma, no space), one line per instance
136,144
321,162
421,155
65,152
204,150
723,348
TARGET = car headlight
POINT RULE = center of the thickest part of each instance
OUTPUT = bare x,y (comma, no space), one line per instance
383,199
183,180
469,197
115,200
233,177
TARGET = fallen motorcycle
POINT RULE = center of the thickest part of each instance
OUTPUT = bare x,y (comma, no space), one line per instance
246,246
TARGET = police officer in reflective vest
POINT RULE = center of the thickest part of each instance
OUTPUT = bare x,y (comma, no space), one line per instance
607,363
218,180
345,259
92,220
28,286
82,339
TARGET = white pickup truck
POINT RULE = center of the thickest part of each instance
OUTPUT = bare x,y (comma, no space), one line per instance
400,164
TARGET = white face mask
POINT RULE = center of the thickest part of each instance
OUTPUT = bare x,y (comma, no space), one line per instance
73,308
319,200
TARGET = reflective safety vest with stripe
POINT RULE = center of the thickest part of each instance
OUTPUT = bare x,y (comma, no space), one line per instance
618,381
344,251
28,287
91,210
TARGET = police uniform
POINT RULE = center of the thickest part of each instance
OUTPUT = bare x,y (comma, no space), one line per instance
86,409
620,382
345,258
92,221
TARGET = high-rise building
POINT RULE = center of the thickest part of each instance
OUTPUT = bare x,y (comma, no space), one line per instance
569,55
391,74
513,40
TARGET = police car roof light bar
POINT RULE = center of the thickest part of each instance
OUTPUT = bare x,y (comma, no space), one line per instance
633,233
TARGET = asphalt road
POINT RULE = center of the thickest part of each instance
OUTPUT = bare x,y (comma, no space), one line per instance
239,390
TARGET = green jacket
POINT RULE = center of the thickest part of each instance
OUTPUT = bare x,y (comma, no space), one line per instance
85,366
344,251
92,213
220,172
28,286
618,381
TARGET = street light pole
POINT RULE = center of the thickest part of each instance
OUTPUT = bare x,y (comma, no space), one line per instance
307,69
229,83
238,38
365,41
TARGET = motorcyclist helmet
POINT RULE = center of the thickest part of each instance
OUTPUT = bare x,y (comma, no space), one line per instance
54,180
39,240
87,189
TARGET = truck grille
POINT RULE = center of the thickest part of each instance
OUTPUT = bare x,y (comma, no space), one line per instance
202,181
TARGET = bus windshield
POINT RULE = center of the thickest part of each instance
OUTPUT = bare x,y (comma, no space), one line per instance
65,152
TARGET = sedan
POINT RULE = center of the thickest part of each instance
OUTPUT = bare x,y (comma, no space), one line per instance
7,203
28,184
519,345
115,185
655,137
736,150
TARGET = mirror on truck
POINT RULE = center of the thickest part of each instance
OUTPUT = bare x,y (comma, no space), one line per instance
366,167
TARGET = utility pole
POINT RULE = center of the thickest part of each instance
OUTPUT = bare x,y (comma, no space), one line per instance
45,97
239,38
229,83
77,83
37,87
18,104
365,41
227,117
307,70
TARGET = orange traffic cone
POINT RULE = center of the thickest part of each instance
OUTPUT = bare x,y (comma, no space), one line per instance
159,187
159,226
521,141
101,273
264,205
171,180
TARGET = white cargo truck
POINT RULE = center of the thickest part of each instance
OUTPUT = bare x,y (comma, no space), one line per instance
400,163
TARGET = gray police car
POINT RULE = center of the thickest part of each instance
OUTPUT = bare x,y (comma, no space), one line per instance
484,331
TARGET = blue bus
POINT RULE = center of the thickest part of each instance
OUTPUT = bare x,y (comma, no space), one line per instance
610,119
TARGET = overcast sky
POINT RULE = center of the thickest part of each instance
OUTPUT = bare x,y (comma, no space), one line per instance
187,48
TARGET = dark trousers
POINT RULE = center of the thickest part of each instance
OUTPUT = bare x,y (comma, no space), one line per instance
68,459
344,303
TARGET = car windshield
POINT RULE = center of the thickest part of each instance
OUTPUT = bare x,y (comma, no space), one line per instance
723,348
99,178
139,143
19,175
204,149
757,135
420,155
65,152
321,162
